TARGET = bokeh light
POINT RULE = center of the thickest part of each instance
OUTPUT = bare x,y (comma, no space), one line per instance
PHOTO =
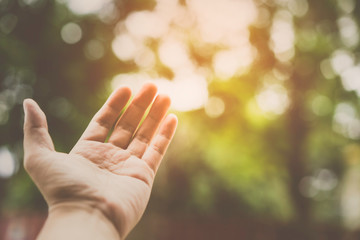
349,31
233,62
125,47
350,79
273,99
175,27
214,107
85,6
322,181
266,92
282,36
94,50
341,60
146,24
346,121
187,92
174,54
7,163
71,33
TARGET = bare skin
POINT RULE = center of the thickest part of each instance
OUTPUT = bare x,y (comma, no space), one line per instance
101,188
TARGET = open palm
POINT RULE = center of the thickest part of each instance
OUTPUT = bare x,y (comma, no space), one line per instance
114,176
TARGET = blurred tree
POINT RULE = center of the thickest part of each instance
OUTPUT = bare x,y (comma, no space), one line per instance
267,141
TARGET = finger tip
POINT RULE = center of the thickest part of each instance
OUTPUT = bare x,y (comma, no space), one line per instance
165,99
170,125
150,87
173,119
29,103
120,96
123,90
34,116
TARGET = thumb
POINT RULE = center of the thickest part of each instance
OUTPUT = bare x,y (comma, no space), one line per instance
36,135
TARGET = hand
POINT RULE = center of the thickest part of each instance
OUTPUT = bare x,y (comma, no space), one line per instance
112,177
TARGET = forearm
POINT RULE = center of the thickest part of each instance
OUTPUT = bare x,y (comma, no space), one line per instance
74,222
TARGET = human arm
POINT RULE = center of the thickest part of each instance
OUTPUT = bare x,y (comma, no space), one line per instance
114,178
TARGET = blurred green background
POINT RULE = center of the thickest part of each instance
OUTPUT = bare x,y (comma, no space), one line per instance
267,95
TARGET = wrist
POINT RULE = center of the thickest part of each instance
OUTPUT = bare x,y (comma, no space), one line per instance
78,221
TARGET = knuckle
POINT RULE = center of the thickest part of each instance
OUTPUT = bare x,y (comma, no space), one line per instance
158,149
143,138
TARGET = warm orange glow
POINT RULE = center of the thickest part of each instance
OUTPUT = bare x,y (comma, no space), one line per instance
230,62
214,107
273,100
220,19
282,36
174,54
146,24
173,26
187,92
125,47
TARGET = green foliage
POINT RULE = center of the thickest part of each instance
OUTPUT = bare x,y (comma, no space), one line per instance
243,162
